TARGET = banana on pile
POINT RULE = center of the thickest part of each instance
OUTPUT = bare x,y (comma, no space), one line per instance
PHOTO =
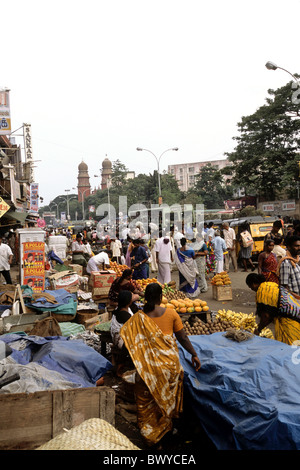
243,321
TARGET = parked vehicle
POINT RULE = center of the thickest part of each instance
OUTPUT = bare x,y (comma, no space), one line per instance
258,227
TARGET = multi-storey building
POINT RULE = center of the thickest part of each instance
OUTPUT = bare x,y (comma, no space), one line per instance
185,173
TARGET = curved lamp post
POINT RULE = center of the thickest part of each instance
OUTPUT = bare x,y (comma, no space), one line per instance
271,66
67,201
157,160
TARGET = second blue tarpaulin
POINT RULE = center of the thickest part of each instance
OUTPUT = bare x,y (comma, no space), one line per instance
246,394
73,359
66,303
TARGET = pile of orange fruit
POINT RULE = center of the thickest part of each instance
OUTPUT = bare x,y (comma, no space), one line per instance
118,268
221,279
185,305
143,283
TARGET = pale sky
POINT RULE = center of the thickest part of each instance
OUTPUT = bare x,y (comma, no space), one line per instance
99,78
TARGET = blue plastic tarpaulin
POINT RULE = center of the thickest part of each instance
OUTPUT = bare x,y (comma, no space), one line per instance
246,394
73,359
66,303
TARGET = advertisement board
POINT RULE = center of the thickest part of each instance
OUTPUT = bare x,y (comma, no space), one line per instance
3,207
34,265
34,197
5,119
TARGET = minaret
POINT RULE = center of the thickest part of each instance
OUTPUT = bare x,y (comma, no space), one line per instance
84,187
106,172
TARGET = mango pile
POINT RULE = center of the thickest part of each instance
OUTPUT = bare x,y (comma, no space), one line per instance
185,305
221,279
143,283
118,268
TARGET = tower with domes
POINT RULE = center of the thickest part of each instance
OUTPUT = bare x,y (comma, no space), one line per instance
106,172
84,187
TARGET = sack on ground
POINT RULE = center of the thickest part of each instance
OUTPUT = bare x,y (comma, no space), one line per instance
47,327
247,240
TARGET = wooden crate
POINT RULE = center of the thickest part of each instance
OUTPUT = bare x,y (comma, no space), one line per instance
222,292
28,420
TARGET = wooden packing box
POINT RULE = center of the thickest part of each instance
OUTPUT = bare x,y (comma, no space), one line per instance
67,280
222,292
28,420
17,323
89,322
77,268
100,292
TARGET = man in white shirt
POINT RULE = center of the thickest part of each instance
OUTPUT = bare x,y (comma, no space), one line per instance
95,261
116,248
87,250
163,249
78,251
278,250
6,257
177,236
230,240
210,232
219,247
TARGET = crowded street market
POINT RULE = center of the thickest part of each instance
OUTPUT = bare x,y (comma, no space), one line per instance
111,319
149,232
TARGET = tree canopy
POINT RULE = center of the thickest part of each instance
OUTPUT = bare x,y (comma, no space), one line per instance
266,157
210,188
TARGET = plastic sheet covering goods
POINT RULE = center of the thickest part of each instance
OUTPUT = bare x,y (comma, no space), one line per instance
246,394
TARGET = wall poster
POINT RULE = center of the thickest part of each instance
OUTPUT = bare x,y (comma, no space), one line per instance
34,265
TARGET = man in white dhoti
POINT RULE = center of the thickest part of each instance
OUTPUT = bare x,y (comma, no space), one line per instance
164,258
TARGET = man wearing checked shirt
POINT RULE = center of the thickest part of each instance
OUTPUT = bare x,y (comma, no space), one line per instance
289,268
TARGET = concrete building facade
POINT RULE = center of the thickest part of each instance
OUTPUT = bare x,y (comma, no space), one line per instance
185,173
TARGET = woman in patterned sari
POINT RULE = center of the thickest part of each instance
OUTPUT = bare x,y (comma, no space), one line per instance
267,263
185,262
268,309
148,337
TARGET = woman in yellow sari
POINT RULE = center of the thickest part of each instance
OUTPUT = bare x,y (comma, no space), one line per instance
148,337
275,304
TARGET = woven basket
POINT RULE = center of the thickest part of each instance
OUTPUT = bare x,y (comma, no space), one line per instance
92,434
60,317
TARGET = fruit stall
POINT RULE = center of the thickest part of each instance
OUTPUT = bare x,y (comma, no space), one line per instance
221,286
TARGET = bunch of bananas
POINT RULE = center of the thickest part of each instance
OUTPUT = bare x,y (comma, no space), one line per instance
266,333
243,321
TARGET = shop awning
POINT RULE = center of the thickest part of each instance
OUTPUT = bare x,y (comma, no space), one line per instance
13,215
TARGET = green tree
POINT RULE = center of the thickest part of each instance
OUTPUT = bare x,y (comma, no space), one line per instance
119,171
211,187
170,191
265,160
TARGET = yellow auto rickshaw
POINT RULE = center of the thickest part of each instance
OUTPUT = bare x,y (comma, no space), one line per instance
258,227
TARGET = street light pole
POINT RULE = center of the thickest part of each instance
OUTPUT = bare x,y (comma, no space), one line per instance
139,149
68,209
51,203
82,200
67,201
271,66
108,181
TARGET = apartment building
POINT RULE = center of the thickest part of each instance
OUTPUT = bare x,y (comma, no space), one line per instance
185,173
